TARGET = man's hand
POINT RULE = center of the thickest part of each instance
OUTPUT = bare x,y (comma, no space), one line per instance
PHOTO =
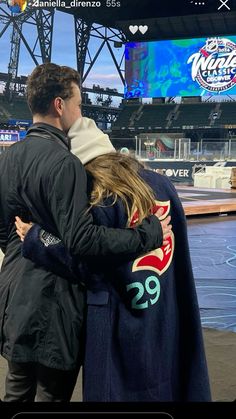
166,226
22,228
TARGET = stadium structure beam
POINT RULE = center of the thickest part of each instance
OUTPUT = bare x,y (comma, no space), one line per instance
108,37
82,36
39,46
4,18
116,63
14,61
17,22
44,21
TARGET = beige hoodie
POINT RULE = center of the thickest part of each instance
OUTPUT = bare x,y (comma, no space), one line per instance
88,141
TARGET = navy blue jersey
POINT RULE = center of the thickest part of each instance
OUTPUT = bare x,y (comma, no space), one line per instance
143,334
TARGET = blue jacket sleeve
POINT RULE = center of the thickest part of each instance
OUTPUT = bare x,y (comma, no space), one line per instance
48,251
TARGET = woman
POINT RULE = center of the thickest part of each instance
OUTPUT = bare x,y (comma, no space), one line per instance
143,332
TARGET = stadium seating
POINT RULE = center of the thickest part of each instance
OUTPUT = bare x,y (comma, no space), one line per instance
176,116
194,114
17,109
154,116
124,117
228,113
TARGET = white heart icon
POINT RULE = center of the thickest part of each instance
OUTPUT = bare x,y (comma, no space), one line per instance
143,29
133,29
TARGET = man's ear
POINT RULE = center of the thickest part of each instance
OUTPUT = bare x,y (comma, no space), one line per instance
58,104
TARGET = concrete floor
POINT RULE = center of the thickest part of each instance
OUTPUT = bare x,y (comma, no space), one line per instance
221,358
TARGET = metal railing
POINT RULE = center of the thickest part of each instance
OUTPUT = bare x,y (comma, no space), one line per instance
180,149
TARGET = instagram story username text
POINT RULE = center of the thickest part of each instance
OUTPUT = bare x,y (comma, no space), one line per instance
72,4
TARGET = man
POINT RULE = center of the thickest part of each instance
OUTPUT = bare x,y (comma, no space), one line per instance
41,313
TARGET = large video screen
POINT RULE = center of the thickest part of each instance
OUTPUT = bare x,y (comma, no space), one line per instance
185,67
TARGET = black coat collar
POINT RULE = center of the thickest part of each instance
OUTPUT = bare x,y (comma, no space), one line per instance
48,131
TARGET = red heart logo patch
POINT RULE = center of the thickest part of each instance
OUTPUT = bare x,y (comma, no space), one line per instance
159,259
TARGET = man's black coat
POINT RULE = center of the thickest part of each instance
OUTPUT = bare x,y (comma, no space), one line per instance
41,313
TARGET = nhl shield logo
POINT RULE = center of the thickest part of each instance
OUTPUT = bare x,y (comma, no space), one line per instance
198,168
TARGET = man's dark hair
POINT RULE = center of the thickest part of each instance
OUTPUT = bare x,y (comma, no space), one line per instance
48,81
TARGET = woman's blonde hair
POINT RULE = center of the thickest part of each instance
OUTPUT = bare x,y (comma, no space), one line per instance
116,175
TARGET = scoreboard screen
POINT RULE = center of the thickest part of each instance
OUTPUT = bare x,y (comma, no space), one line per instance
181,67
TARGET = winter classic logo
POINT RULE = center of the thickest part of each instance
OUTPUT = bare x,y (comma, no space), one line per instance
214,66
